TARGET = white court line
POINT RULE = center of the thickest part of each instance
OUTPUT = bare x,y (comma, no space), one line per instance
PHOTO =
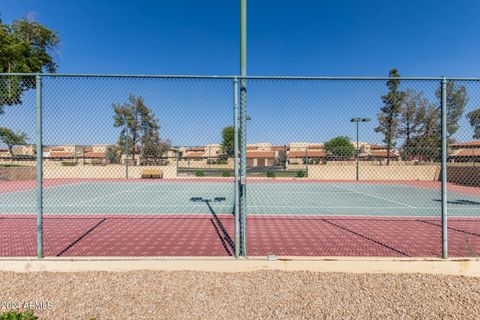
224,191
377,197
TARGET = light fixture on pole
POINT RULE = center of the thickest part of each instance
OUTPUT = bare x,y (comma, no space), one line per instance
357,153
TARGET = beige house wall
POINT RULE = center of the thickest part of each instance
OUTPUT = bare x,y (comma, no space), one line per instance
261,146
463,174
302,146
203,164
103,172
213,150
100,147
342,172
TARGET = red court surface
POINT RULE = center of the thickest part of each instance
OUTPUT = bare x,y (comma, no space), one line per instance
209,235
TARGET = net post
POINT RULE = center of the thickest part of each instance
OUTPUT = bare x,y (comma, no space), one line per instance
236,189
444,150
39,154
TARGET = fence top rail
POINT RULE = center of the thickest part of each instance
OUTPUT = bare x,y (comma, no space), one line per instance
226,77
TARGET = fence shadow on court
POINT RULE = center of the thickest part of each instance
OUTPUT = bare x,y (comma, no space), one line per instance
217,224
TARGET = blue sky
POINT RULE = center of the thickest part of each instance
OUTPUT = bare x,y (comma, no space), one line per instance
342,38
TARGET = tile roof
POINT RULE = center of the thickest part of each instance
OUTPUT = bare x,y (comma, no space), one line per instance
377,146
260,154
475,143
95,155
195,155
303,154
383,153
61,154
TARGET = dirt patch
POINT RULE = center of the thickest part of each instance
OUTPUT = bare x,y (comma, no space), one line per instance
255,295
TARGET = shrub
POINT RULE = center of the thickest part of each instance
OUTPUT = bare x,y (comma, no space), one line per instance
200,173
69,164
226,173
218,161
270,174
301,174
15,315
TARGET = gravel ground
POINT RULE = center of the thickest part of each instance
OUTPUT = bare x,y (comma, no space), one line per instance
255,295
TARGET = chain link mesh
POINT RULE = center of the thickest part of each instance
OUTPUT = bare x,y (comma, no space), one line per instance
143,166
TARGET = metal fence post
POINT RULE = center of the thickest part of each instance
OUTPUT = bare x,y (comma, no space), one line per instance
243,167
243,126
235,168
39,151
357,154
176,159
307,160
444,151
126,148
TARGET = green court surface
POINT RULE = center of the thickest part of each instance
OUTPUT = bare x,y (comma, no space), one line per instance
292,198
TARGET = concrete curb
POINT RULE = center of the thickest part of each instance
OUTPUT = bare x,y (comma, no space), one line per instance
457,266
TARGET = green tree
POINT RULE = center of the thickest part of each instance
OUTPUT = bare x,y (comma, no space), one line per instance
26,47
456,100
228,141
426,144
281,159
113,154
12,139
140,122
340,147
18,315
411,118
154,148
474,118
388,118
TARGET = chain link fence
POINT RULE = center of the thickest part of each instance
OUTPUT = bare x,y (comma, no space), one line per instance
155,166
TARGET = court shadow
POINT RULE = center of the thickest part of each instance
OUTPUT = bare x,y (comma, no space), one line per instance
466,202
220,229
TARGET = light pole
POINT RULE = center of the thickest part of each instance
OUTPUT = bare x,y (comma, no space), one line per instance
357,153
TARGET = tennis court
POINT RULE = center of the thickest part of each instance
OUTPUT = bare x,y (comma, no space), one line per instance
195,217
271,197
